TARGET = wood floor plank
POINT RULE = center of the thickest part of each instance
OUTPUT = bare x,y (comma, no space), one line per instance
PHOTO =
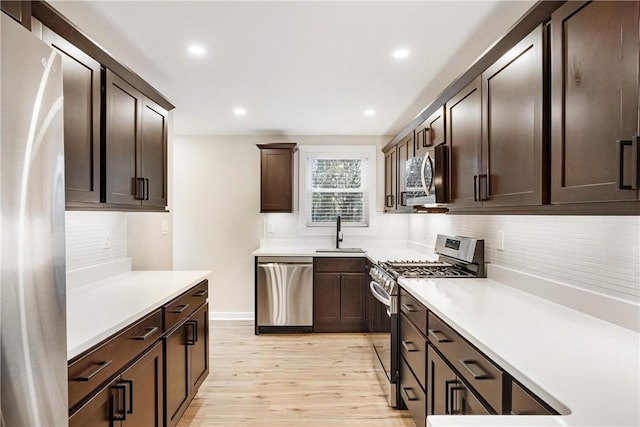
308,380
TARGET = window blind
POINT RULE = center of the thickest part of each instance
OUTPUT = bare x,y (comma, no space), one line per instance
337,185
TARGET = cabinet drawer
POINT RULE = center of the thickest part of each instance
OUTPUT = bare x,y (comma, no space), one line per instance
413,395
485,377
185,305
524,403
339,265
91,369
413,347
414,310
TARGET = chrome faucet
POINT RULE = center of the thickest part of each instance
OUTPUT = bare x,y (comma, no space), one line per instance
338,233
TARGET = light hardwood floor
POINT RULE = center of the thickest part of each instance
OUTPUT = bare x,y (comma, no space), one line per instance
290,380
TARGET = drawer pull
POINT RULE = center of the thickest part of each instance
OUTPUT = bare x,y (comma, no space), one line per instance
202,293
180,308
410,394
150,331
476,376
193,339
87,377
439,335
409,346
410,308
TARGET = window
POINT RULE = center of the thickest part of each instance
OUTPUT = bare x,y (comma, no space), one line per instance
337,183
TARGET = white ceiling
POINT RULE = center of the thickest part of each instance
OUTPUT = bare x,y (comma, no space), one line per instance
297,67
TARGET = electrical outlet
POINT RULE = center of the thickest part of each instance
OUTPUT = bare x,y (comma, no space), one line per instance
269,227
500,242
164,227
106,239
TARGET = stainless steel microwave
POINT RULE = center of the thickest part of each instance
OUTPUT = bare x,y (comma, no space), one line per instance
426,178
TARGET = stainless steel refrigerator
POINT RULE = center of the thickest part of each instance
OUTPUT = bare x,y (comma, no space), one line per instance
33,357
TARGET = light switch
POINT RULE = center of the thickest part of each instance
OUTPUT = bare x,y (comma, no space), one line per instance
500,242
106,239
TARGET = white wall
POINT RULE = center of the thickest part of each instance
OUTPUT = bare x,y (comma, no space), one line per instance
85,238
599,253
217,220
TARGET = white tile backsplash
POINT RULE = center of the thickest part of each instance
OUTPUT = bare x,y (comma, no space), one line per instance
85,237
599,253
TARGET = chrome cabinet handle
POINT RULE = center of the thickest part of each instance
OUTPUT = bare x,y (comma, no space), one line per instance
93,373
150,331
130,384
476,376
120,414
194,332
441,338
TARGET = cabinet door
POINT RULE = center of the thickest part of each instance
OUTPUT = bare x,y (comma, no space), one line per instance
352,302
124,112
464,127
594,99
18,10
405,150
176,373
154,154
276,179
199,350
145,382
431,132
440,380
101,410
81,89
390,179
513,151
326,300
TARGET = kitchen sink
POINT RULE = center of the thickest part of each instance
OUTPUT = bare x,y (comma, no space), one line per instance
348,250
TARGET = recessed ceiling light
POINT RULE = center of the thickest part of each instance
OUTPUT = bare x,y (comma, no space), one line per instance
197,50
369,112
239,111
401,53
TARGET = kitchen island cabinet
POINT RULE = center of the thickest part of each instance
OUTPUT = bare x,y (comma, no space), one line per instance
127,377
339,294
595,94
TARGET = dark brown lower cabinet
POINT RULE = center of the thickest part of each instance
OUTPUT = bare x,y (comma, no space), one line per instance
448,395
339,295
134,398
525,403
187,362
412,394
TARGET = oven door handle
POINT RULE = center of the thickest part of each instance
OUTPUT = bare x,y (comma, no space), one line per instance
380,294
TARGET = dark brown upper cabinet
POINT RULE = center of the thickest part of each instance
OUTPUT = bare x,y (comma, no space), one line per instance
18,10
513,143
496,134
276,177
81,89
390,179
135,147
464,127
594,102
431,132
405,150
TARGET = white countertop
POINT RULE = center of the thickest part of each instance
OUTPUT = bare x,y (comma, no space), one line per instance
584,367
97,310
374,253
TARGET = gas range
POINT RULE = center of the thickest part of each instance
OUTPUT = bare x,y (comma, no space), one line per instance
458,257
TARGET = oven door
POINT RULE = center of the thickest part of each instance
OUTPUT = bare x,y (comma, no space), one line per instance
381,323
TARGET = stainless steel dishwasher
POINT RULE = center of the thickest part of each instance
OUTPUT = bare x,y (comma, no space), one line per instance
284,294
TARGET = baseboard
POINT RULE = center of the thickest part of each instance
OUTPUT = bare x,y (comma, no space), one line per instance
612,309
231,315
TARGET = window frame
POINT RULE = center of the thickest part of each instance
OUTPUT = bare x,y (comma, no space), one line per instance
307,152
